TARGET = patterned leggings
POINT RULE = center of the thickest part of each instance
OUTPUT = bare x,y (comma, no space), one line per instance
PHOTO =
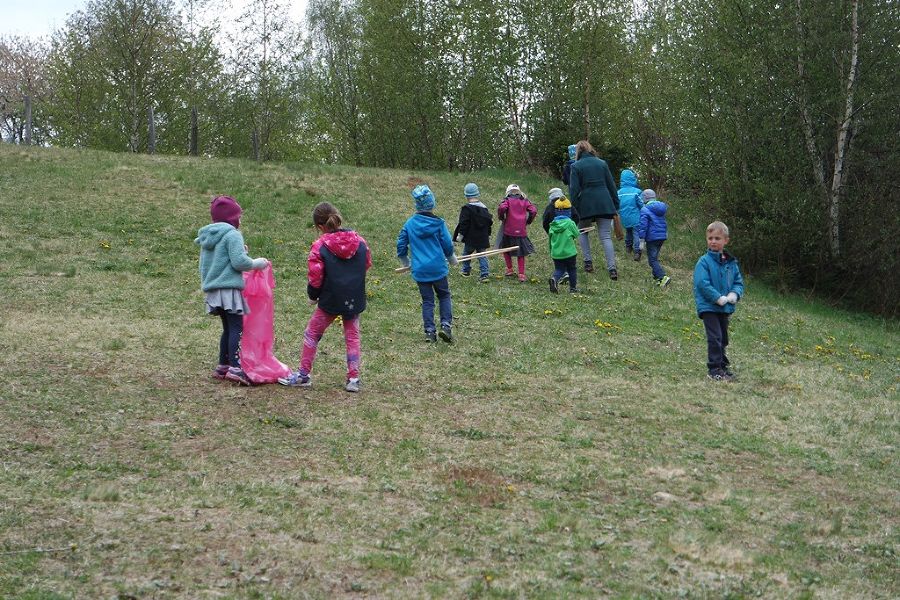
315,329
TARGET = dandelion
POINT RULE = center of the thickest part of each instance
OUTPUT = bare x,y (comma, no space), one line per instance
105,244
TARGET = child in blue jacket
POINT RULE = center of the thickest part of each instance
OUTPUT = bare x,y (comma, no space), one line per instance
630,205
718,285
653,232
427,238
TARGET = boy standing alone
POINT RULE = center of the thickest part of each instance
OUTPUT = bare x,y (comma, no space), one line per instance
718,285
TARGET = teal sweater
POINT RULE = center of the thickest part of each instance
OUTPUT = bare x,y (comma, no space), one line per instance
222,257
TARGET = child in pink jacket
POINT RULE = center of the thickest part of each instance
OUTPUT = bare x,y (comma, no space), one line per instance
517,212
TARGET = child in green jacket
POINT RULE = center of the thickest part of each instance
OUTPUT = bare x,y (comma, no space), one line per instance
563,232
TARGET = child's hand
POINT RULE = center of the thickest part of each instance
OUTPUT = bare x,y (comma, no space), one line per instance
260,263
311,302
722,301
453,260
732,297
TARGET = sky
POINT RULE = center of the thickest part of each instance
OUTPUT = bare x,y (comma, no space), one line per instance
39,18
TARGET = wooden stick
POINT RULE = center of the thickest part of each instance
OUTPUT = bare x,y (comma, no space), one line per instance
470,256
588,229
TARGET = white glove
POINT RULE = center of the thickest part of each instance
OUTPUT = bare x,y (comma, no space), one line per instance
453,260
643,245
732,297
259,264
722,301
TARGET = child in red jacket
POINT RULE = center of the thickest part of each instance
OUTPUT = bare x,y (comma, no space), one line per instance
517,212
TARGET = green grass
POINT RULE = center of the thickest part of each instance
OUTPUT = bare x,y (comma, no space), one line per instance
562,447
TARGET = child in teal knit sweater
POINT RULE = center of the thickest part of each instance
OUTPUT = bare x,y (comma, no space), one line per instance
223,256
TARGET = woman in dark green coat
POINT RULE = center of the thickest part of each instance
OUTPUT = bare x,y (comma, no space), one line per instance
593,193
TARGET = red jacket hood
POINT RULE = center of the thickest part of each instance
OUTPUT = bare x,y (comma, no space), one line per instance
342,243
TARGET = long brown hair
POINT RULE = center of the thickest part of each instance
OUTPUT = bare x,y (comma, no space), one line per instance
326,216
582,147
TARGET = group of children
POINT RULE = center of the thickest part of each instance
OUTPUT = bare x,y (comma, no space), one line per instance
339,259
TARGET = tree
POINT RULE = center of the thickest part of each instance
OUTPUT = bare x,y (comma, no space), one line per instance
22,74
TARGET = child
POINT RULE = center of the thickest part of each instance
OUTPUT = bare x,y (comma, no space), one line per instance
563,233
337,265
223,256
474,230
427,237
652,231
567,168
718,286
517,212
630,206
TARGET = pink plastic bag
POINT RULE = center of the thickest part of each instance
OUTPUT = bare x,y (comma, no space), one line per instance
257,359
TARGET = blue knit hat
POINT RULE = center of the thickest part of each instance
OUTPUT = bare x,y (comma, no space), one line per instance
572,149
471,190
424,197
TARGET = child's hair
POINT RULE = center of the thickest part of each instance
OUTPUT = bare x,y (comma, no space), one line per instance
326,216
717,226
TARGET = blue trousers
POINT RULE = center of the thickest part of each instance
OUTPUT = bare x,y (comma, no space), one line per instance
230,342
428,289
466,265
716,325
631,239
566,265
653,249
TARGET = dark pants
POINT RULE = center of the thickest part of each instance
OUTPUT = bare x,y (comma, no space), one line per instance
653,249
428,289
716,325
566,265
230,342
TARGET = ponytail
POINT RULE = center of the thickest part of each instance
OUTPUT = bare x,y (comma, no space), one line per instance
326,216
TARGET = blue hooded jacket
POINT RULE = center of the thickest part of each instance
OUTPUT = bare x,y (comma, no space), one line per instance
222,257
716,274
630,203
428,239
652,226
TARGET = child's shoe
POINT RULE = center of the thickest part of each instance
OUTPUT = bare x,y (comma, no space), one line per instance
664,281
588,266
220,372
295,379
465,273
430,336
352,385
729,376
613,274
446,334
510,273
238,376
629,250
554,286
484,279
564,278
522,278
637,255
719,375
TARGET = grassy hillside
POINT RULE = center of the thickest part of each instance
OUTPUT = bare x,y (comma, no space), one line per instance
564,446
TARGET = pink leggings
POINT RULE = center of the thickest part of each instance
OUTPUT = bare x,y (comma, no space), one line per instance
315,329
520,260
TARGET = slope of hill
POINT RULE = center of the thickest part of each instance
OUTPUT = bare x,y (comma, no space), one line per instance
563,446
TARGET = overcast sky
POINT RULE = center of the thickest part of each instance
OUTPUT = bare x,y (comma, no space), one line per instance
36,18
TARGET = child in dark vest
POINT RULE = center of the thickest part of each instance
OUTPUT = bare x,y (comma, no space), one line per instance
337,264
223,256
474,230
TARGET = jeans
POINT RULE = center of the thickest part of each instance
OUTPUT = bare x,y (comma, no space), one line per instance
653,249
604,232
716,325
631,239
315,329
566,265
466,265
230,342
445,308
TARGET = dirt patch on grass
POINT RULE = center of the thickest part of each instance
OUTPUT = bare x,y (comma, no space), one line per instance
480,486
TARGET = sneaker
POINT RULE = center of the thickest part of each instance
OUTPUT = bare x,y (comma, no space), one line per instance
220,372
554,286
628,250
510,273
564,278
446,334
718,375
613,274
430,336
465,273
664,281
484,279
576,291
588,266
522,279
637,255
729,376
295,379
352,384
237,376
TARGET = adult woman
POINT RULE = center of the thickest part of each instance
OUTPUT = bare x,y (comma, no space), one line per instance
593,193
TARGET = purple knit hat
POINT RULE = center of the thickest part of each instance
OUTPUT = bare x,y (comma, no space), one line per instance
225,209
